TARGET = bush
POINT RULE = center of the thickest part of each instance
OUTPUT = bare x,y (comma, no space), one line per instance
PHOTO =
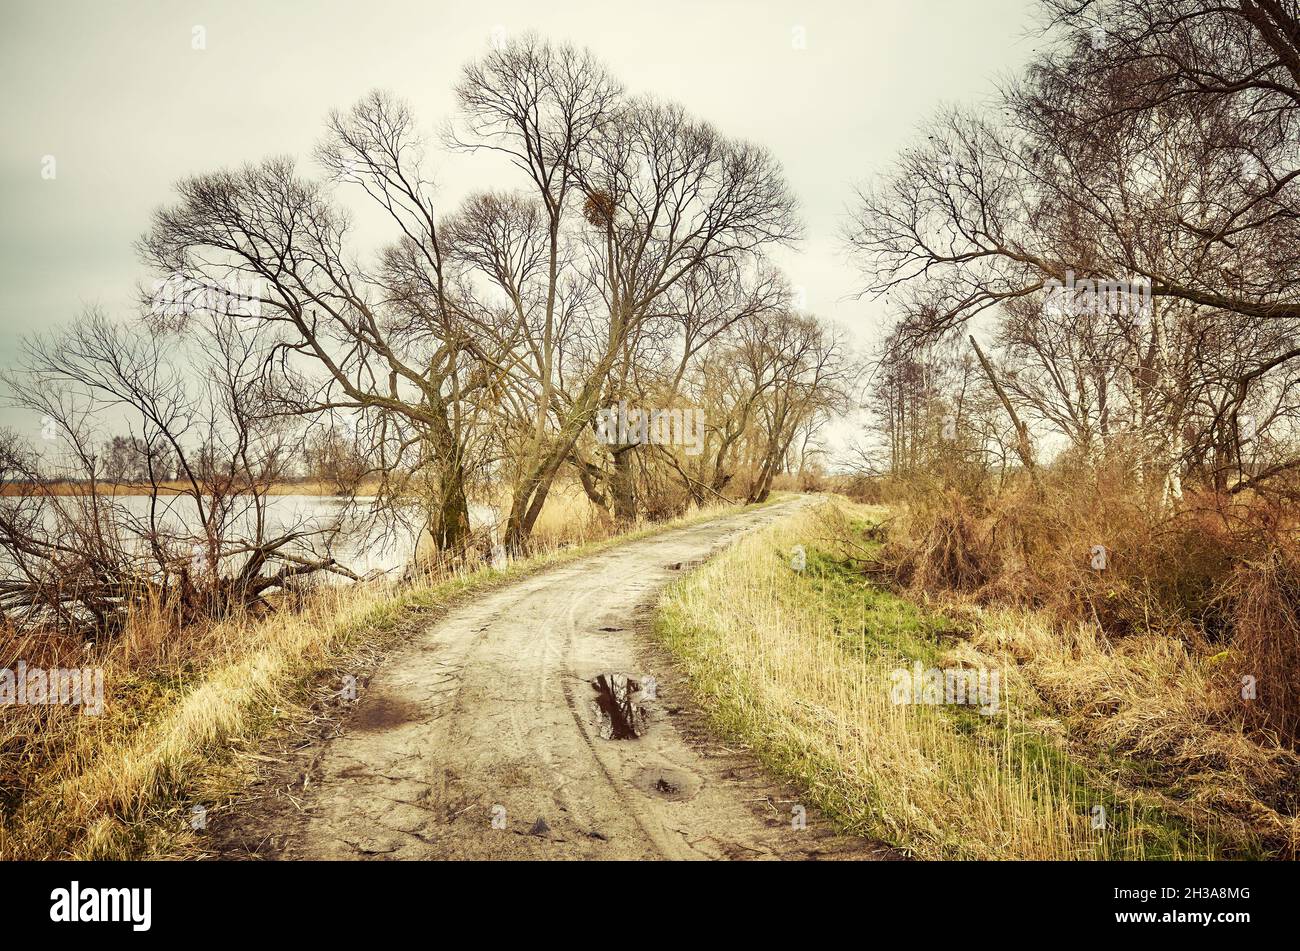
953,554
1090,545
1263,598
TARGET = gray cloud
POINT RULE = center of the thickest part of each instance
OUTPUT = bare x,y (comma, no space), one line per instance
116,93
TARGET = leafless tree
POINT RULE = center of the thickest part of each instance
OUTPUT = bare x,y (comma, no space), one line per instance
1151,144
83,558
633,200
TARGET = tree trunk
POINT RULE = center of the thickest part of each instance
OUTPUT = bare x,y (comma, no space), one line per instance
622,486
449,521
534,485
590,476
1023,448
762,486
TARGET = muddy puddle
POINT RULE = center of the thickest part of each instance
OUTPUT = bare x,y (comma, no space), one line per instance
667,782
381,713
620,705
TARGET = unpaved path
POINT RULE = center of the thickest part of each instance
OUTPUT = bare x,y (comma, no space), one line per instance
485,723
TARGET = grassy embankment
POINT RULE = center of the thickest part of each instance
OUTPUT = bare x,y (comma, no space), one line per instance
186,710
798,666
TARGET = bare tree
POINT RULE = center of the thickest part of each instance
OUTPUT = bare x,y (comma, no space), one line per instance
1151,147
482,342
199,548
634,198
386,349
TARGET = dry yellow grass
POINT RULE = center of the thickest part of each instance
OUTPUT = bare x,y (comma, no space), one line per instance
1153,699
794,665
570,518
114,785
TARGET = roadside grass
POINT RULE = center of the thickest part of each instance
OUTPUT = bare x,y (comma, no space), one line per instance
799,666
185,711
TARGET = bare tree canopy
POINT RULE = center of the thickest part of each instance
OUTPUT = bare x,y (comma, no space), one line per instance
609,314
1127,215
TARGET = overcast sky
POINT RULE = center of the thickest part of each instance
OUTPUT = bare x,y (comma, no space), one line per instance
119,96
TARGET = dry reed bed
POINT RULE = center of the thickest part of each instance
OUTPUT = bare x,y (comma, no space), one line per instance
778,663
1178,660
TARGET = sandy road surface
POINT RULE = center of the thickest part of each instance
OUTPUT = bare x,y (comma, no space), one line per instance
489,715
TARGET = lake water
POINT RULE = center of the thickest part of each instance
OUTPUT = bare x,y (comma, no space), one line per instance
364,544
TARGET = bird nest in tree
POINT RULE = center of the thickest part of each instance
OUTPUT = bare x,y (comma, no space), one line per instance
598,209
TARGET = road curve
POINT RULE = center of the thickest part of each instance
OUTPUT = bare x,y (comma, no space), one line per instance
479,738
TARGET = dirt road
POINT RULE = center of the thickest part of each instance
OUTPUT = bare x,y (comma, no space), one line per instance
481,739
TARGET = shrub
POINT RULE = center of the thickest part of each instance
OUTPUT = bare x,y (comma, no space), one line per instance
1264,602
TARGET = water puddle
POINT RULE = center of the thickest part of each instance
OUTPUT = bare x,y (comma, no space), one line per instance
620,705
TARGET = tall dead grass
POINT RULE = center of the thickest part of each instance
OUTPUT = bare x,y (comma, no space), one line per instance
1262,598
176,701
1178,647
1155,718
1156,714
569,517
1079,548
794,667
1213,571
